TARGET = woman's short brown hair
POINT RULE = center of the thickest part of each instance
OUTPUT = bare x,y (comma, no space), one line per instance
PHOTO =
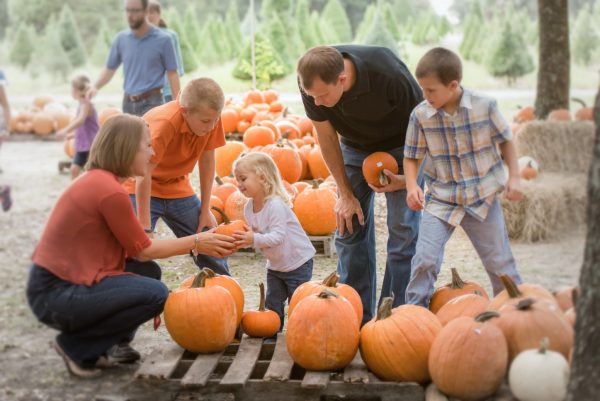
323,62
441,62
116,145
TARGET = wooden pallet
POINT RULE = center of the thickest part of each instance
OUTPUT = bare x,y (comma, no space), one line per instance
324,245
252,370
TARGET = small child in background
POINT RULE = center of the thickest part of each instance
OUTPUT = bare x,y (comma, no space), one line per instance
274,229
85,124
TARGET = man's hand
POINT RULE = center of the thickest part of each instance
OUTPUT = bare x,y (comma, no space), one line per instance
217,245
513,190
395,183
206,220
345,209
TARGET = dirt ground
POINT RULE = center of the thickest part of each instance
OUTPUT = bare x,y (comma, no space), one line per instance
31,370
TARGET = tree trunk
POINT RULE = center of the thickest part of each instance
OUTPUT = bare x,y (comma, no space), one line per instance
585,369
554,58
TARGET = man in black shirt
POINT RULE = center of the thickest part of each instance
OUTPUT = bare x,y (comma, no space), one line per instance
365,94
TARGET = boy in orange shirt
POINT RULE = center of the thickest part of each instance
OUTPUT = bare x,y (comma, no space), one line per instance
185,132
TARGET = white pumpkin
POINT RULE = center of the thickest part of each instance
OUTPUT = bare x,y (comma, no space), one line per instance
539,375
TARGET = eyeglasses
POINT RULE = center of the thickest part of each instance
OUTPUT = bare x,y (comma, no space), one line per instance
134,10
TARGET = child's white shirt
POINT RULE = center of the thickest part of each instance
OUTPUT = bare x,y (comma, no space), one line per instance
279,235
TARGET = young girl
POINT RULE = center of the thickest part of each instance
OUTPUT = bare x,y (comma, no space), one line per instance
85,124
274,229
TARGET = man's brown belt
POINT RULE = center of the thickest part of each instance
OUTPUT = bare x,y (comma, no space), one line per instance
142,96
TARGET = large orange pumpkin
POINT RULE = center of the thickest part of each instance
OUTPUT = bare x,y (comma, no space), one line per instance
469,305
395,344
513,293
288,129
258,136
43,124
223,189
286,159
226,155
305,125
314,208
200,318
229,283
323,333
330,283
453,289
107,113
254,96
262,322
526,323
316,163
230,119
373,166
469,358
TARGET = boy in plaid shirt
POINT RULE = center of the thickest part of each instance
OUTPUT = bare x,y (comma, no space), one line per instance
460,132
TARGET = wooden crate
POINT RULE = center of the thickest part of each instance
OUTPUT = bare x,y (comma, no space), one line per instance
324,245
254,370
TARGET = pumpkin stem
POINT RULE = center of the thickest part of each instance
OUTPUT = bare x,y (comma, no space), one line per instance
331,280
385,309
222,213
457,282
578,100
477,292
261,305
544,344
328,294
209,272
200,280
483,316
383,179
511,288
219,180
525,304
316,183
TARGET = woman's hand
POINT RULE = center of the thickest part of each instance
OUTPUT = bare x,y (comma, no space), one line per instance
217,245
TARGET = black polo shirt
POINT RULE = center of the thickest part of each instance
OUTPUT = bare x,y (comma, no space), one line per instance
373,115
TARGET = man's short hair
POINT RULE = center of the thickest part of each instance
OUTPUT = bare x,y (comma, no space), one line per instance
441,62
202,92
323,62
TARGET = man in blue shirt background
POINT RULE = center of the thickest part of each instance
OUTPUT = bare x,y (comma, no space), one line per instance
146,53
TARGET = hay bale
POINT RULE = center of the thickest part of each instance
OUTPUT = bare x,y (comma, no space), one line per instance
558,146
554,203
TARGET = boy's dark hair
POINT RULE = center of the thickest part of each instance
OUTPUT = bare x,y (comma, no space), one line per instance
323,62
442,63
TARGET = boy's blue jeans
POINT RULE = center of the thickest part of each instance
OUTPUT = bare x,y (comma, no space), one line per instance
489,238
356,251
181,216
281,286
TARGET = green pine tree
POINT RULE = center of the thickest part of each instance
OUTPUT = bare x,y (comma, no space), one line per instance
188,54
422,28
22,46
280,7
335,16
379,34
49,55
268,65
277,35
218,33
232,28
208,53
444,26
307,34
365,24
71,37
391,23
472,30
101,46
509,56
315,26
190,25
584,38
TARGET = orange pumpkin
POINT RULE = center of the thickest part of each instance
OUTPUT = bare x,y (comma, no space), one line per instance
234,206
525,114
300,186
305,125
288,129
275,106
223,189
43,124
453,289
395,344
585,113
230,119
254,96
469,305
513,293
42,100
216,202
373,166
286,159
226,155
559,115
258,136
314,208
262,322
201,319
243,126
468,359
323,333
229,283
69,147
526,323
316,163
107,113
229,227
270,95
565,298
270,124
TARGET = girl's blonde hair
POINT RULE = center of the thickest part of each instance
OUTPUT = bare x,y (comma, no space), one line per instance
81,83
262,164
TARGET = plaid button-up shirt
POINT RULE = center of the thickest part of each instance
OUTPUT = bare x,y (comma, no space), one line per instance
463,169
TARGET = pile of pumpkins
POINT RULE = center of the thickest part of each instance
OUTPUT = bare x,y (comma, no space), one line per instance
43,117
465,343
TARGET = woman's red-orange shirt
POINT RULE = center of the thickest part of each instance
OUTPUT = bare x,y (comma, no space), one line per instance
90,231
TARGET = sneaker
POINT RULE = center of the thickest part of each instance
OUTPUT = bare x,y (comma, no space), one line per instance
122,353
6,199
73,368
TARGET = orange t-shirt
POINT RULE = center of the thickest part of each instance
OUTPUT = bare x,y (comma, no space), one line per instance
90,231
176,151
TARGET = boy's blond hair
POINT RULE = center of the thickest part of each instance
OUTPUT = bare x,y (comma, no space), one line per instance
263,165
442,63
200,93
116,145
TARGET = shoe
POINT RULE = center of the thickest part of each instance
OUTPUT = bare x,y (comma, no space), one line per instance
73,368
122,353
104,363
6,199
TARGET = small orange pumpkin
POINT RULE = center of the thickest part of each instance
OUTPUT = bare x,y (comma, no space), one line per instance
229,119
107,113
262,322
373,166
228,227
258,136
453,289
469,305
513,293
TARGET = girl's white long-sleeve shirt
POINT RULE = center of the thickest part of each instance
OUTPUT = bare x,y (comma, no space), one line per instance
279,235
